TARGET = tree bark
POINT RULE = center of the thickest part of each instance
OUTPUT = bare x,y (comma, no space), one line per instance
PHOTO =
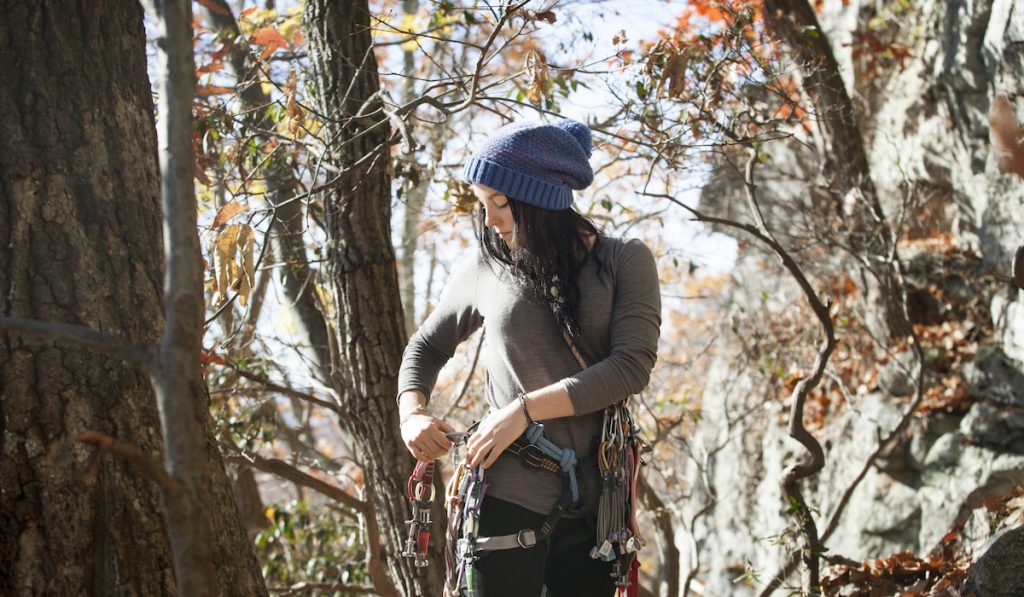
80,222
369,330
79,243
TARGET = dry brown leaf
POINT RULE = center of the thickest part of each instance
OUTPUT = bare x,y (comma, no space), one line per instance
1006,137
675,73
224,266
246,275
208,90
537,77
226,212
296,115
233,262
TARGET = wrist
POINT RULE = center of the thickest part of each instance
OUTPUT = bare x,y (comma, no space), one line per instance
521,399
404,417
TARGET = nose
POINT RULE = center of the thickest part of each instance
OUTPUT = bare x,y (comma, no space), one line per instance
489,218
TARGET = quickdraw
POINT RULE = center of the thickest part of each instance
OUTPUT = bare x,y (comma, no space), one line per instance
420,491
618,533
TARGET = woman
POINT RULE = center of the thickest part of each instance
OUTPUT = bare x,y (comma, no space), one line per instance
543,270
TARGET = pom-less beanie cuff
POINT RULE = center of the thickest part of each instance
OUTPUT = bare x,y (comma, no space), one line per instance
518,185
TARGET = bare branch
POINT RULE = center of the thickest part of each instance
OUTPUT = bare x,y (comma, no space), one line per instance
276,387
32,330
149,467
816,456
286,471
475,81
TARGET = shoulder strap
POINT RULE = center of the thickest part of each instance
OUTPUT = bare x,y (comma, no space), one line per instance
568,340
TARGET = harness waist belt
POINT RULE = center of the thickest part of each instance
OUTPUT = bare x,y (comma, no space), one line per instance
525,538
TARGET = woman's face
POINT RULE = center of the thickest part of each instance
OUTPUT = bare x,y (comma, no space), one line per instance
497,212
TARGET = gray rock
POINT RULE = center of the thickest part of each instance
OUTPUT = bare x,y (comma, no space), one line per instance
897,377
988,424
994,376
1008,320
1000,571
956,479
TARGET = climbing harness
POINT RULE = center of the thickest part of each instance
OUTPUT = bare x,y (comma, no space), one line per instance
617,531
618,535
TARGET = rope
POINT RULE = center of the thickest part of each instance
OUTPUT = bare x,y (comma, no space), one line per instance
566,457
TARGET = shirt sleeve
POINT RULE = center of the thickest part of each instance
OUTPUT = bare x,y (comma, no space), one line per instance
633,335
453,320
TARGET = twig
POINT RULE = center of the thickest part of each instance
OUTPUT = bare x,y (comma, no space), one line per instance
272,385
287,471
475,83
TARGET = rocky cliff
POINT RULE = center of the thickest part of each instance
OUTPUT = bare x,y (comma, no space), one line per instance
924,114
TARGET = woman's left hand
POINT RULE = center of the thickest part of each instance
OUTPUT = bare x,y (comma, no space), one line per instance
496,433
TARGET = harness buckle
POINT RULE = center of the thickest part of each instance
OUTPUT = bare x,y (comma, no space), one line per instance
526,538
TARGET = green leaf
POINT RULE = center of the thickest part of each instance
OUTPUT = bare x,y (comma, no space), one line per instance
641,91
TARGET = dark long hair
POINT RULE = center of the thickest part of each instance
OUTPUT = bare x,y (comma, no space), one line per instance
551,249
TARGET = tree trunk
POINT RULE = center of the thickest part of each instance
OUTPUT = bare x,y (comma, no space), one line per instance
370,332
80,231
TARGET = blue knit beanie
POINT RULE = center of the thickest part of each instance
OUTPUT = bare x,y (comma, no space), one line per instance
539,164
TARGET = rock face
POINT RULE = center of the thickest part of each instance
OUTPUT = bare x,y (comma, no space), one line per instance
927,129
1000,572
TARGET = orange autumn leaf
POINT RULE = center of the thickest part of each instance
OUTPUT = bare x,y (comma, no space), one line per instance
269,38
208,90
210,68
226,212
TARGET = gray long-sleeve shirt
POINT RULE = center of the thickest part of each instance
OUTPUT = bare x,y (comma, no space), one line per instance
524,350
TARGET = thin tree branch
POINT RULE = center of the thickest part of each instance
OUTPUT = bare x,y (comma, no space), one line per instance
32,330
475,81
816,456
149,467
276,387
287,471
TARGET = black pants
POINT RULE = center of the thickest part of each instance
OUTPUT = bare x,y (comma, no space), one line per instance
562,561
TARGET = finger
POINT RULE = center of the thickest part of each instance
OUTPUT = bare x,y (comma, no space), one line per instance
445,427
492,457
481,454
440,438
438,447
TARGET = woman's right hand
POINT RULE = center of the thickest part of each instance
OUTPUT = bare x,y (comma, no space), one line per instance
425,438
